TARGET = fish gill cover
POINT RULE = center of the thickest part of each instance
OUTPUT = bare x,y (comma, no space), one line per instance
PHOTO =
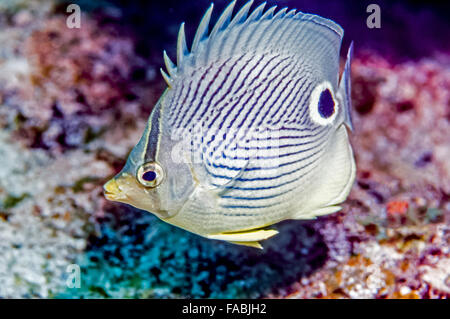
74,102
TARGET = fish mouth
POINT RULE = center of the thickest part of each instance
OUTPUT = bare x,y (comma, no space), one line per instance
112,191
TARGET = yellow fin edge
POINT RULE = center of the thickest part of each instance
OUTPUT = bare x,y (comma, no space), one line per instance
250,236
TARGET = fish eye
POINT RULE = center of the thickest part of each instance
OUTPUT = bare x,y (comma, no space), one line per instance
150,174
323,106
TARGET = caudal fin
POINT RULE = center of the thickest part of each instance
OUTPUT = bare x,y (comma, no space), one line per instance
345,89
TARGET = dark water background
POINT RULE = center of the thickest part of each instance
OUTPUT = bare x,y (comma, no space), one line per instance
409,29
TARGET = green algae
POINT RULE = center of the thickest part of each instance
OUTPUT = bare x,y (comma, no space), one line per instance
11,201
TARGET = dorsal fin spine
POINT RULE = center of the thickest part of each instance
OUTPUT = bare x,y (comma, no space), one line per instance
241,16
291,13
280,14
256,14
224,19
166,77
269,13
202,30
182,49
170,66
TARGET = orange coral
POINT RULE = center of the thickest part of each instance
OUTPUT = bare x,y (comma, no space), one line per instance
397,207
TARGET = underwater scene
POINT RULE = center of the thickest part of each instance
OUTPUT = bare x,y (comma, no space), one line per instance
94,96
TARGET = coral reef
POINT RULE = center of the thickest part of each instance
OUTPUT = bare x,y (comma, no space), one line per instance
73,102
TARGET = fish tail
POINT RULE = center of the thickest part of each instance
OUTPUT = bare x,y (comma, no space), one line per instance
345,89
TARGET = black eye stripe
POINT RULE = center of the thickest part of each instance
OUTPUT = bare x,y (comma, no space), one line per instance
326,105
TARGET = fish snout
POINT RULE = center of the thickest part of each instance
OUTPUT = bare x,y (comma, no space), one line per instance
112,190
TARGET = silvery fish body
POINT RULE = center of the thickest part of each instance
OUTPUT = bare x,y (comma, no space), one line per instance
251,130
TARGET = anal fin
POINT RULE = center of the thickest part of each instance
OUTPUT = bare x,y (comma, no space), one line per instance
247,238
253,244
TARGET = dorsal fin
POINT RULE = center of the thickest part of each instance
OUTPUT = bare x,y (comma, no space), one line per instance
310,38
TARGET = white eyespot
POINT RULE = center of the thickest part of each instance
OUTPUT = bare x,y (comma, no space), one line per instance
323,106
150,174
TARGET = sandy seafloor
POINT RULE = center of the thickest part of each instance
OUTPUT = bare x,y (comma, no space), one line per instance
74,102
